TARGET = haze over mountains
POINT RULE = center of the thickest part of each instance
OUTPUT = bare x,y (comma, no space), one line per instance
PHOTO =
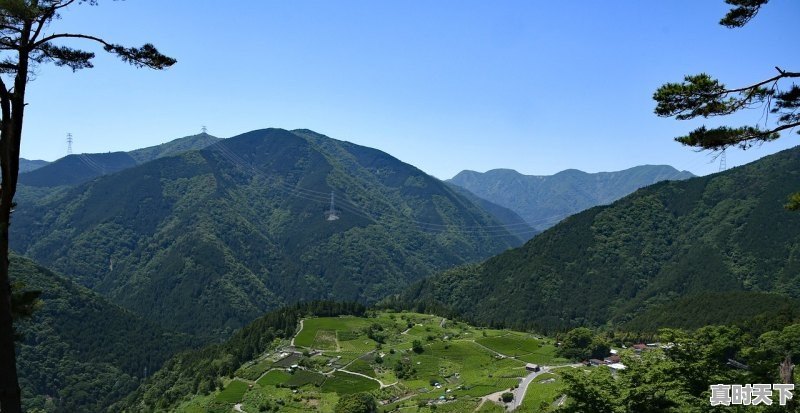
207,240
543,201
721,244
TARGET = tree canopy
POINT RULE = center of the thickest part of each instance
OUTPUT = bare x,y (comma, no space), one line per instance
704,96
26,40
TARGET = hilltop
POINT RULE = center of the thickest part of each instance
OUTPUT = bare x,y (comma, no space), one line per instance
543,201
79,168
207,240
703,240
405,360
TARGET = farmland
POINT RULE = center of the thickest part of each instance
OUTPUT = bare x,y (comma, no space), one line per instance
405,360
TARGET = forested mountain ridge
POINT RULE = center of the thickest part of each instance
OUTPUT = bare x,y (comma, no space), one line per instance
79,352
79,168
545,200
27,165
206,241
721,233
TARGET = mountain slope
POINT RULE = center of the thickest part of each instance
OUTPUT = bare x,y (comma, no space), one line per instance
80,168
79,352
185,144
544,200
207,240
721,233
76,169
27,165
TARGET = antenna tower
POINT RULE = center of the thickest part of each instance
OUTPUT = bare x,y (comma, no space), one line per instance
332,215
723,163
69,144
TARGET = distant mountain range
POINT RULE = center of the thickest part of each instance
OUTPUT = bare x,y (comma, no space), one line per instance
27,165
706,250
543,201
80,168
207,240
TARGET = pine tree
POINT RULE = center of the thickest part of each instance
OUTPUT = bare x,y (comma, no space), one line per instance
26,42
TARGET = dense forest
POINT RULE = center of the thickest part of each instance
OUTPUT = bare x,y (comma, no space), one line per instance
721,233
199,371
80,352
205,241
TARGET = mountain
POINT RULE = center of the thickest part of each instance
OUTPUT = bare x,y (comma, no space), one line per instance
27,165
79,352
205,241
80,168
712,235
508,218
76,169
187,143
543,201
251,369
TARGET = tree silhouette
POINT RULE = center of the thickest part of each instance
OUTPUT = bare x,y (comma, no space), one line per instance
25,42
704,96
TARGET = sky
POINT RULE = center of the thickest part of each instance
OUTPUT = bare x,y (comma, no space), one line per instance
443,85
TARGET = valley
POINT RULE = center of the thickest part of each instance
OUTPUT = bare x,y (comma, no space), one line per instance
407,360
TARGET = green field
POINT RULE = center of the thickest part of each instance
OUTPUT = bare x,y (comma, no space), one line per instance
457,366
345,383
542,392
274,377
304,377
233,392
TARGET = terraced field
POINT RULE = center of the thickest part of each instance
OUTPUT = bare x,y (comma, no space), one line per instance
457,366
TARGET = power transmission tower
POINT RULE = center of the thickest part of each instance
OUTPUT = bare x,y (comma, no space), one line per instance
69,144
204,129
723,162
332,215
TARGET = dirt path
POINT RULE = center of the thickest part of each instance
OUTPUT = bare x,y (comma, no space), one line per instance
298,332
371,378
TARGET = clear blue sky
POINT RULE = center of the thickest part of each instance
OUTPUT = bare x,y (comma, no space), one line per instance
444,85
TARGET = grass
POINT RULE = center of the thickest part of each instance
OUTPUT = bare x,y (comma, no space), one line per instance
325,340
461,358
254,371
273,378
311,326
541,394
301,378
233,392
361,366
346,383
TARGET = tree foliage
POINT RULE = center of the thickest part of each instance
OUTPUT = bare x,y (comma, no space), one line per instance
704,96
678,378
356,403
723,239
25,42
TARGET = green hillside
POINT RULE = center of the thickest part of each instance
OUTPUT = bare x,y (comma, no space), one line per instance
76,169
404,360
27,165
174,147
543,201
206,241
79,352
721,233
79,168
